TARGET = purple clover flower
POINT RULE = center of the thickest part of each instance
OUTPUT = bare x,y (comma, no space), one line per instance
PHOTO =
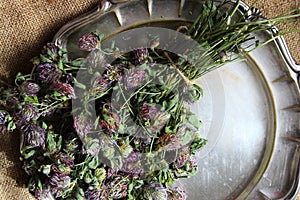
154,116
193,163
64,89
66,160
118,187
28,112
88,42
47,73
155,191
141,56
44,194
177,193
131,165
57,169
149,112
169,142
135,78
110,172
100,193
11,97
50,51
82,125
114,72
59,183
34,135
183,157
30,89
111,122
100,85
132,158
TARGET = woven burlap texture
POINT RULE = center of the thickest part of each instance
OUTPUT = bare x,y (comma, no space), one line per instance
25,26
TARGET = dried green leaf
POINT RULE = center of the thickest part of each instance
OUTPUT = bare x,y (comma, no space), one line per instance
94,163
44,59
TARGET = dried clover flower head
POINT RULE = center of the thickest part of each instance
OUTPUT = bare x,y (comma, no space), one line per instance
28,112
177,193
30,89
134,78
132,165
64,89
110,121
114,72
51,51
34,135
88,42
59,183
44,194
100,193
111,172
183,157
193,163
154,118
47,73
169,142
141,56
82,125
11,95
100,85
66,160
155,191
118,187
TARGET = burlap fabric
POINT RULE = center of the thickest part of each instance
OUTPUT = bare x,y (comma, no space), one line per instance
25,26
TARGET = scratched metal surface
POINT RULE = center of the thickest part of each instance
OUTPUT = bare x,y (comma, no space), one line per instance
250,110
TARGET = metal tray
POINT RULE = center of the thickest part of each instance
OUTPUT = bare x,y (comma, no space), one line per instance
250,109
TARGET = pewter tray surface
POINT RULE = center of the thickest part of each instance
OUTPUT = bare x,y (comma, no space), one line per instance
250,109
